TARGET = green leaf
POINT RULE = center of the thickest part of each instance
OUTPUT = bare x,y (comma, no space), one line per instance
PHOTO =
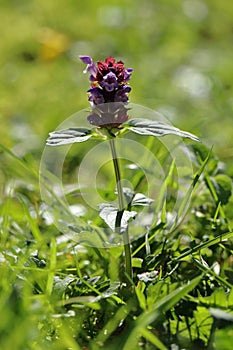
109,213
223,187
148,276
31,221
209,271
142,200
157,310
157,291
68,136
53,260
153,128
139,291
61,284
112,324
137,262
218,299
153,339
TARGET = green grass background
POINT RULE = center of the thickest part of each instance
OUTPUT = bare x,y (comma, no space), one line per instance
181,52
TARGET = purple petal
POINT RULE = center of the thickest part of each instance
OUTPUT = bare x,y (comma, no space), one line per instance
109,82
86,59
126,88
96,96
127,74
121,94
91,67
92,78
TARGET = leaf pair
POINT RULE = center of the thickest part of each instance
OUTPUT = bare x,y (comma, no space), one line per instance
109,213
139,126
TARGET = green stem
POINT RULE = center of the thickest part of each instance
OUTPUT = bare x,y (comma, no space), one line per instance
127,248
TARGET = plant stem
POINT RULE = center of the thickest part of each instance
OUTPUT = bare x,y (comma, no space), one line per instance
127,248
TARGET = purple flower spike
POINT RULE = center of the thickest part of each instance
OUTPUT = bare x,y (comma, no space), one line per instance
109,88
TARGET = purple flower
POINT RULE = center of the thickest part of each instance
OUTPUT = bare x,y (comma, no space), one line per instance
86,59
127,74
121,94
91,67
109,82
109,85
96,96
108,75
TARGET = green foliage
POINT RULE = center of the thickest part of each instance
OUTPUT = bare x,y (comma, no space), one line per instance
151,128
58,293
72,135
64,294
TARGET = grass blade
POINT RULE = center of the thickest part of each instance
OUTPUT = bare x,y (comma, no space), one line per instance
157,311
53,260
207,244
187,197
153,339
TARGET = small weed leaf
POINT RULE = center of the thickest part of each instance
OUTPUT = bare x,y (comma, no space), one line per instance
61,284
109,213
153,128
136,199
141,200
68,136
148,276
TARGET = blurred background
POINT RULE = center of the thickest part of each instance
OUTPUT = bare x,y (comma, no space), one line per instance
181,52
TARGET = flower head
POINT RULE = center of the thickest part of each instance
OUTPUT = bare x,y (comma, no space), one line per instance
109,84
